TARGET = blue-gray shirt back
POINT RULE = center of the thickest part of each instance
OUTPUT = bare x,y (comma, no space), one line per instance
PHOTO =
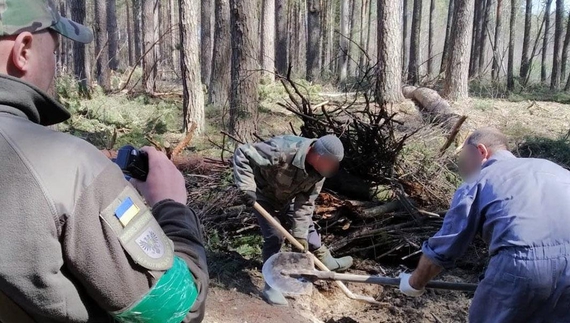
513,202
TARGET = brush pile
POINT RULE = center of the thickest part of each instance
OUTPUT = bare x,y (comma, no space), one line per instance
374,209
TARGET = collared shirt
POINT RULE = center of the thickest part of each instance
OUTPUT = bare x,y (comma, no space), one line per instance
513,202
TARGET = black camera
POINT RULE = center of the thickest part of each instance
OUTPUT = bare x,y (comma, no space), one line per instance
133,162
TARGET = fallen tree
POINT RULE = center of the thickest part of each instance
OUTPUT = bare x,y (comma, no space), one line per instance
433,107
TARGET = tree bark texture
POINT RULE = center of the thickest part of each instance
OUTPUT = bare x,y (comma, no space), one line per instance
314,48
102,46
456,85
193,96
389,83
221,66
415,44
245,78
206,40
525,61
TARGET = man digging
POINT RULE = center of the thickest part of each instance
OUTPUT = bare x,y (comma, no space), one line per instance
285,175
521,208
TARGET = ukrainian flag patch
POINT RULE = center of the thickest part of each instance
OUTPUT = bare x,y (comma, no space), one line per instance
126,211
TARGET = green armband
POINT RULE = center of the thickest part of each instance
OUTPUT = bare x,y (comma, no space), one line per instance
168,301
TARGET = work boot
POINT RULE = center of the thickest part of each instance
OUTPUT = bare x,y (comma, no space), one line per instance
333,264
273,296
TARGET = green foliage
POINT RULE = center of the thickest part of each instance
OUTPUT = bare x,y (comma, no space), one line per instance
248,246
95,119
556,150
534,92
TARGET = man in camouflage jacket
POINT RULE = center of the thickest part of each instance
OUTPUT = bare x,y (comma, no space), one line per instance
79,244
285,175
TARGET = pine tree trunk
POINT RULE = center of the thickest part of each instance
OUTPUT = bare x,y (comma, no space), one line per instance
344,40
78,15
405,42
497,60
221,66
525,61
511,62
559,27
102,46
245,49
302,40
167,46
565,51
430,38
545,40
206,41
113,34
371,7
314,48
293,28
447,43
483,36
175,36
193,96
137,25
325,31
268,40
156,72
456,85
535,49
364,24
282,48
389,84
415,46
61,50
149,65
131,54
475,45
355,26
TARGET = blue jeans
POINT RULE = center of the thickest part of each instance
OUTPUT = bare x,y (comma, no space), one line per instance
272,238
525,285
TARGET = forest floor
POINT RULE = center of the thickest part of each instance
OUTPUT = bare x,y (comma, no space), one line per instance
537,128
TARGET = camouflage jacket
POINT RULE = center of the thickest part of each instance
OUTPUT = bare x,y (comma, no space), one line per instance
276,170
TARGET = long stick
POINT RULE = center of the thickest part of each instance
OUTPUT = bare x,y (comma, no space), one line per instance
319,264
379,280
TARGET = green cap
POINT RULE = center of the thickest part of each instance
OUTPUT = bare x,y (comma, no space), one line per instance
17,16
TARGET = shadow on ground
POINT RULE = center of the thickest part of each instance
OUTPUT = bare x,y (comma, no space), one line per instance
229,270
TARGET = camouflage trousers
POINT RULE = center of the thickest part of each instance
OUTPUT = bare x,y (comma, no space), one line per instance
272,238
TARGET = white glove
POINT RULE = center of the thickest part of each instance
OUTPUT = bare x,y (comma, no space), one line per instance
405,287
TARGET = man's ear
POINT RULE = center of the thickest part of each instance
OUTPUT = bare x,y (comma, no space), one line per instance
485,153
21,52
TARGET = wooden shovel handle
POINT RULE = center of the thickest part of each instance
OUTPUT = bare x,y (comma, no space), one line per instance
274,223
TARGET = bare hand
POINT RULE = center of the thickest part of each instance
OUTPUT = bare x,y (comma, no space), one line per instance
164,180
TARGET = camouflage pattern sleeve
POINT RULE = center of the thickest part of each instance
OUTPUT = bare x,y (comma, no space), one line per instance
304,208
250,156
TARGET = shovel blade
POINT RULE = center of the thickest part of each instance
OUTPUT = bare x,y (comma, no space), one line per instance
284,262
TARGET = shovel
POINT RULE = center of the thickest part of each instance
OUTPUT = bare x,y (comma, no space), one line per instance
274,223
292,273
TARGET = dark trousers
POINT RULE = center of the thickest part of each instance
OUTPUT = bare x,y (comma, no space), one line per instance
272,238
525,285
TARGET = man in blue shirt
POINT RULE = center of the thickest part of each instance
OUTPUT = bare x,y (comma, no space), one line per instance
521,207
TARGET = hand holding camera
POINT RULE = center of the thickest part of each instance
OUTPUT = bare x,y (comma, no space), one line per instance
153,174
